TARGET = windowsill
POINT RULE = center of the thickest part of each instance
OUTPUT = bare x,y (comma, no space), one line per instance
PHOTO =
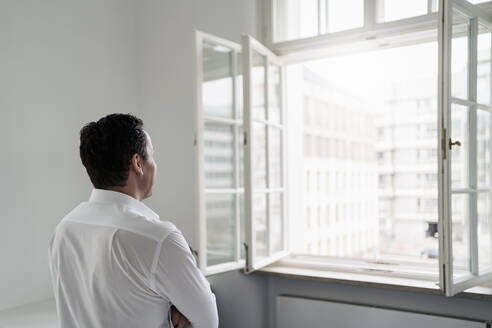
290,270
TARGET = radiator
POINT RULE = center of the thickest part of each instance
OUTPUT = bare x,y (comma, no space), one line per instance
295,312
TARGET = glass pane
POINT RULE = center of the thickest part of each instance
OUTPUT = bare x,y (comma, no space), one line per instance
275,157
240,145
239,85
260,219
484,231
259,153
459,56
276,211
345,14
484,166
217,81
308,18
434,5
390,10
258,85
483,65
461,232
296,19
274,96
242,227
459,154
219,155
221,214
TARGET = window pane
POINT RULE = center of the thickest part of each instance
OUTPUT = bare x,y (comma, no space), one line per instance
296,19
275,157
217,81
259,151
484,231
484,165
276,211
258,85
240,145
274,100
390,10
434,5
308,18
219,155
459,56
461,232
459,154
484,66
239,85
259,218
345,14
242,228
221,214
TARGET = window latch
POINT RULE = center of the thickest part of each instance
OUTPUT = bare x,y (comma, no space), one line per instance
454,143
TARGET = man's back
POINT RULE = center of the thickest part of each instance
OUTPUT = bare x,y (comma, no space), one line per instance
115,264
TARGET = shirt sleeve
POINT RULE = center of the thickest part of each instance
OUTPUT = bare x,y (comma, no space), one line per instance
178,279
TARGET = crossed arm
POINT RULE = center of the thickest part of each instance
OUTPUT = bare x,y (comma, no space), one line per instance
178,279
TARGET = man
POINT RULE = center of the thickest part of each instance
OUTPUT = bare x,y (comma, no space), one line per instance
113,262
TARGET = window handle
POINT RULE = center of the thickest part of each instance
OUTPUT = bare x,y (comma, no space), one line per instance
454,143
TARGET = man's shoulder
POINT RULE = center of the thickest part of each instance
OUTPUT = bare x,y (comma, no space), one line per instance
120,218
156,229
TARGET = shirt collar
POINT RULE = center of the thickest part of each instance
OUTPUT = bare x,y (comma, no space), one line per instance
115,197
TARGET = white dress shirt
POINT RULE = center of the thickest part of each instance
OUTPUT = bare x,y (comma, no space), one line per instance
115,264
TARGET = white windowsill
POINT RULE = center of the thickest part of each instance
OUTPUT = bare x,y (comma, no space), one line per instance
288,269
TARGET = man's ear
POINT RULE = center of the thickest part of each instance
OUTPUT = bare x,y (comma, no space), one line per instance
136,164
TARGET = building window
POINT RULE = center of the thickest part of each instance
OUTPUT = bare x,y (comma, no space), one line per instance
368,120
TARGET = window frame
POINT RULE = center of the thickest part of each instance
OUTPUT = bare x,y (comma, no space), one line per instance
198,141
370,29
366,38
249,44
370,37
446,99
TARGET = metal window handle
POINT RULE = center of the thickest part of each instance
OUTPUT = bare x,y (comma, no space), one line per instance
454,143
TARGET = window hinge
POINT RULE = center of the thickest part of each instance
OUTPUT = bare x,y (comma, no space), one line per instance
246,268
195,141
245,138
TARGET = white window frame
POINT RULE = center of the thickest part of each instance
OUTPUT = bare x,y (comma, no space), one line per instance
371,36
371,29
448,285
252,262
375,35
200,191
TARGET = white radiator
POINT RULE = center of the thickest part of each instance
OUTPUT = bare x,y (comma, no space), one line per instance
294,312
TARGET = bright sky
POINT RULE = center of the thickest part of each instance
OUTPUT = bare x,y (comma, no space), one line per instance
366,74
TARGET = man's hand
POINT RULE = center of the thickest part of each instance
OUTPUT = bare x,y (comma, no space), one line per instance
178,319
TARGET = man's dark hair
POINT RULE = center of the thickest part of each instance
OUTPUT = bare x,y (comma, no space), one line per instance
107,146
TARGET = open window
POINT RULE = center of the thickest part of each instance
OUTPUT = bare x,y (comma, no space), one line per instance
420,158
465,154
240,155
219,151
264,155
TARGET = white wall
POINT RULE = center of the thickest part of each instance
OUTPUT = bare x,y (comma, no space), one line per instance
166,76
62,64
